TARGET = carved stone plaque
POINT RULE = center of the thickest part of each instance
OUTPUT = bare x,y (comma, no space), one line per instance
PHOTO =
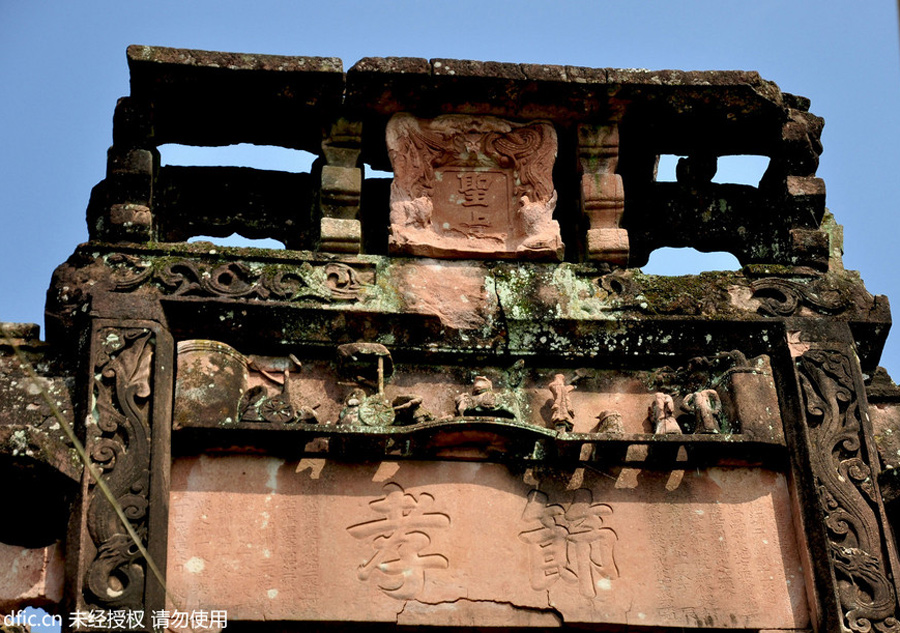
467,186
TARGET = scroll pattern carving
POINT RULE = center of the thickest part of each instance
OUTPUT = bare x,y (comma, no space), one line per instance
782,298
846,490
119,446
330,282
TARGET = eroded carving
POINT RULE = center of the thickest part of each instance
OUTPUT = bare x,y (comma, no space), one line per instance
472,186
706,407
782,298
366,364
610,422
562,413
119,446
258,405
571,542
399,538
662,415
847,491
484,401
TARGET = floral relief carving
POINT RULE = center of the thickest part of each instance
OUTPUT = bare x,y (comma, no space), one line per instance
846,490
119,446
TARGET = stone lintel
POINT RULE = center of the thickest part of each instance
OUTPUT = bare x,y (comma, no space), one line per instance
210,98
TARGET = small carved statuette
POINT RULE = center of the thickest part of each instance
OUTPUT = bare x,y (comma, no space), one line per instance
610,422
706,406
562,413
350,412
256,405
484,401
408,409
367,364
661,413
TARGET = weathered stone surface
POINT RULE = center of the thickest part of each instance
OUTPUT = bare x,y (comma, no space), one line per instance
30,577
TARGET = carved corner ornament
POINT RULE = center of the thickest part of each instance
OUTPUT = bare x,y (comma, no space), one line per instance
847,492
473,187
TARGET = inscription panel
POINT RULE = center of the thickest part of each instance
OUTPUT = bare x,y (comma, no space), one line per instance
319,540
473,203
473,186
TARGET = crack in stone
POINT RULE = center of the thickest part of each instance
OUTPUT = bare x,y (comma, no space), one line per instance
549,609
502,320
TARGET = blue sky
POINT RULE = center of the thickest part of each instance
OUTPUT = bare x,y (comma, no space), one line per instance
64,67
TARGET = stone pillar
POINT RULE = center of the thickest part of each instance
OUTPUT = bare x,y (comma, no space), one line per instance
340,189
602,193
121,207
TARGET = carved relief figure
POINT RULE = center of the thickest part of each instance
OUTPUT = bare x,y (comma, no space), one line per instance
399,537
257,405
350,412
472,186
370,364
662,415
569,543
562,413
484,401
610,422
706,407
408,409
366,364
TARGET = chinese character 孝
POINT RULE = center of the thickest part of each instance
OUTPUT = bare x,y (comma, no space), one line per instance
570,543
399,538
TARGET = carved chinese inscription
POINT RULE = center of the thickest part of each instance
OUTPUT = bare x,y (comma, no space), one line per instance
399,537
468,186
570,542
